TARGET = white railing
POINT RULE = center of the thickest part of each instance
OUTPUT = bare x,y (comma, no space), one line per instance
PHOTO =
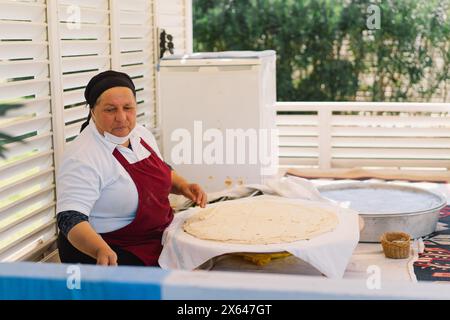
328,135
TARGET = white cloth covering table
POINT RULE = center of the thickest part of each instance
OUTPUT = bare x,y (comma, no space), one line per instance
329,253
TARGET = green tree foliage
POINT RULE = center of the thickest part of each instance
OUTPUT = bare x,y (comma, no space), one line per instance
4,137
325,50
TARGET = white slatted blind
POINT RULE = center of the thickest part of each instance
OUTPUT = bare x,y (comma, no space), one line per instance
49,49
175,16
27,197
84,37
346,135
115,35
136,46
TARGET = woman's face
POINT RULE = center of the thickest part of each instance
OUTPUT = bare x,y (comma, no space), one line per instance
115,111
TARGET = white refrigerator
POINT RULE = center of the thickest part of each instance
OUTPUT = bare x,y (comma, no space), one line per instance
218,117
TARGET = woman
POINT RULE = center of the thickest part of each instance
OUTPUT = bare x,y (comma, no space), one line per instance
113,186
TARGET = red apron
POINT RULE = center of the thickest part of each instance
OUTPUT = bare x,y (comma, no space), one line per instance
153,181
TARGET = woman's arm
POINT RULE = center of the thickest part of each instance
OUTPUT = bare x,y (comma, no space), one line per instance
83,237
190,190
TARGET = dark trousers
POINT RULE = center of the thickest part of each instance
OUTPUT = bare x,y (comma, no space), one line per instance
69,254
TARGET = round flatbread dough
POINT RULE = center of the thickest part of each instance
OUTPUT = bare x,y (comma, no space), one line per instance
260,221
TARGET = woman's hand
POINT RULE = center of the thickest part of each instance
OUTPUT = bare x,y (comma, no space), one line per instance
195,193
106,257
83,237
191,191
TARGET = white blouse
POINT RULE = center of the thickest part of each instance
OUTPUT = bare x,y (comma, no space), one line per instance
90,180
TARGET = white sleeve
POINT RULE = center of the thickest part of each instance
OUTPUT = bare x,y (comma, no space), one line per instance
77,187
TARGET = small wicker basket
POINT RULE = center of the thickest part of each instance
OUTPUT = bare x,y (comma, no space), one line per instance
396,245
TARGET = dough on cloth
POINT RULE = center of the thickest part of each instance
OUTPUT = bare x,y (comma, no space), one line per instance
260,221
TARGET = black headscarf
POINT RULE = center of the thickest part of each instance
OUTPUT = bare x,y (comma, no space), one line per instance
102,82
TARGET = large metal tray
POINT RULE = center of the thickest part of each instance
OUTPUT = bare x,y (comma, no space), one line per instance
389,207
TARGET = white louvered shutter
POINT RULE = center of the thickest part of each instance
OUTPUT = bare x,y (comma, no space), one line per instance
49,49
133,43
85,50
370,135
175,17
27,197
112,35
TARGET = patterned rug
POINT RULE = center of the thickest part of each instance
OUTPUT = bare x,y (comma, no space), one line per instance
434,263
